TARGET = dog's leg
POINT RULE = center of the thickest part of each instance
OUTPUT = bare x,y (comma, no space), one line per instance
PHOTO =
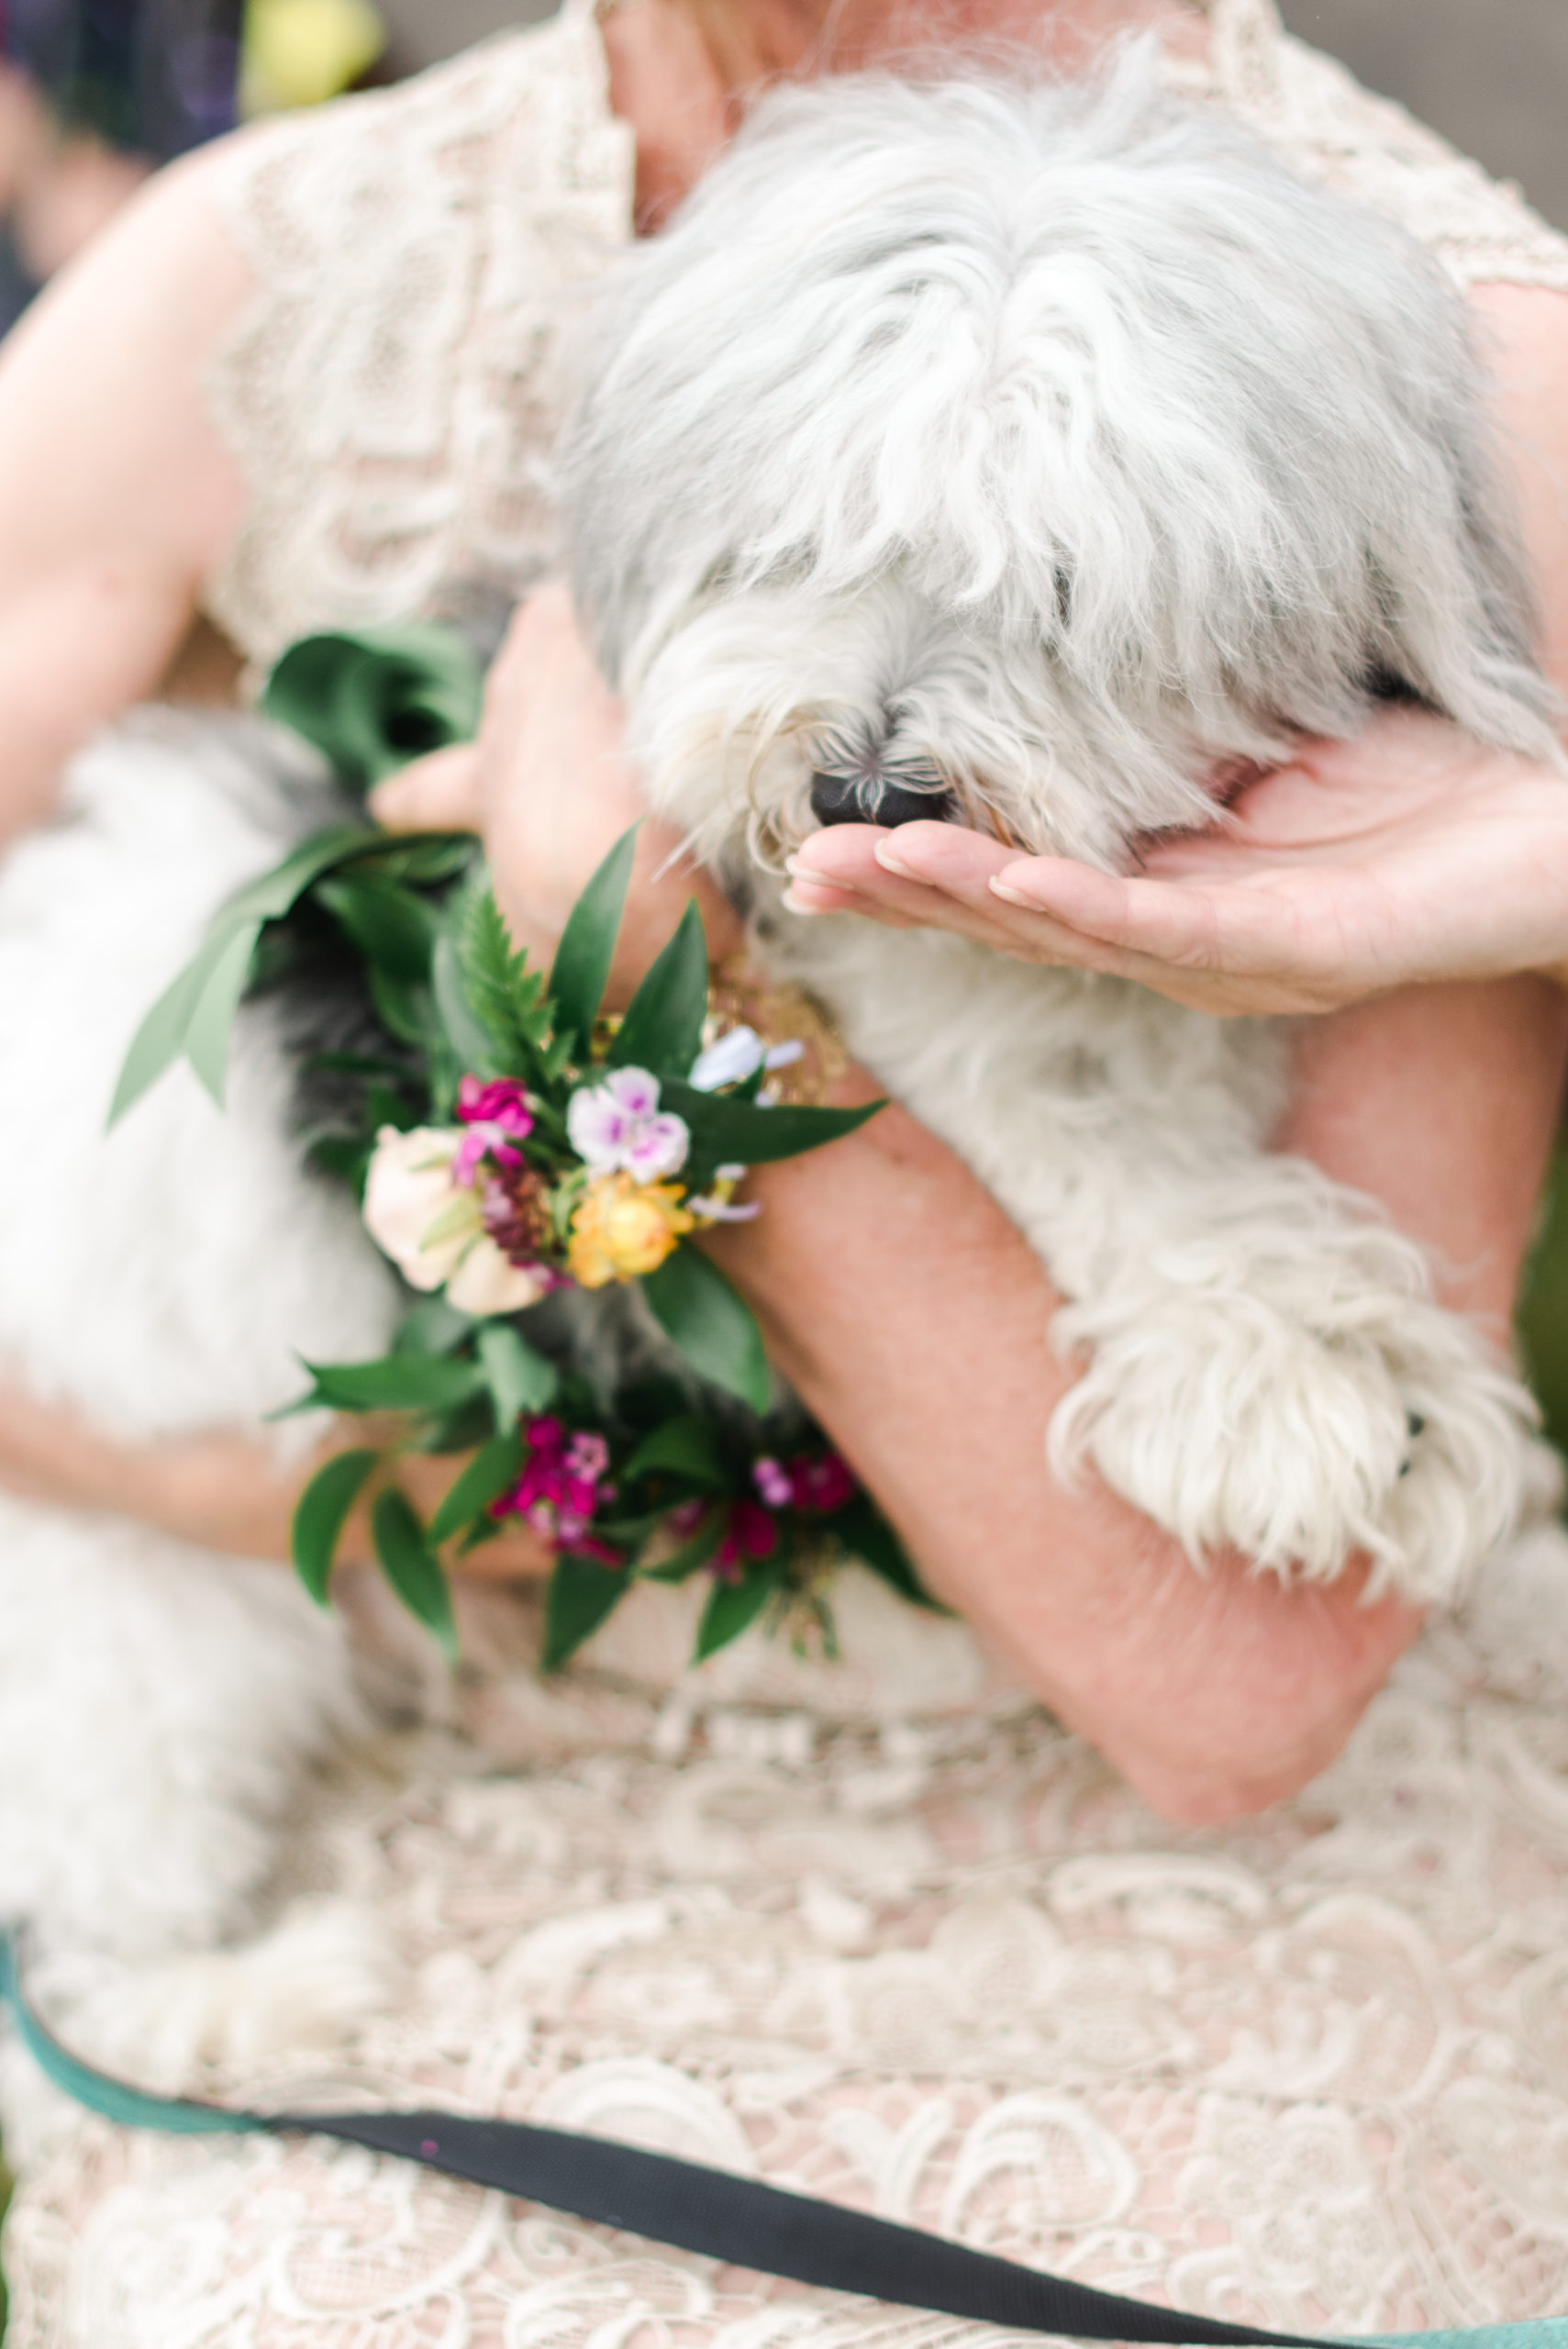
1266,1369
1267,1372
157,1708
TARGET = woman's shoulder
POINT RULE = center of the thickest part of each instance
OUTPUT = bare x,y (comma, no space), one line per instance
414,254
1318,118
524,116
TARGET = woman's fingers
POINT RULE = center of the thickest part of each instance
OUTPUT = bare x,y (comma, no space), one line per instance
439,793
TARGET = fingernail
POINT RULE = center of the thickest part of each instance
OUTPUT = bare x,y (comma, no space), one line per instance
890,864
795,905
1000,889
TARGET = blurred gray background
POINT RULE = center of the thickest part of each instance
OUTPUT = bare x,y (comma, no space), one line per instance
1490,74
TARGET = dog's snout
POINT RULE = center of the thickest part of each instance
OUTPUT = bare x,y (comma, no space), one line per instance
873,799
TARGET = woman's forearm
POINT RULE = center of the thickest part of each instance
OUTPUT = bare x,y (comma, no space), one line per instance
224,1490
913,1319
1443,1104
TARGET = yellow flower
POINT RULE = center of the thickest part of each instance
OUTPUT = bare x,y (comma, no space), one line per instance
624,1228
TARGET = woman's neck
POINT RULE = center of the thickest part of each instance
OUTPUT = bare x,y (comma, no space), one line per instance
1067,33
683,72
753,40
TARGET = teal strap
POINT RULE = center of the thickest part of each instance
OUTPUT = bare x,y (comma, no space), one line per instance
127,2107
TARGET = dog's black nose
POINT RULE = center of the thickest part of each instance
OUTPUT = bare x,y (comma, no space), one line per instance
870,799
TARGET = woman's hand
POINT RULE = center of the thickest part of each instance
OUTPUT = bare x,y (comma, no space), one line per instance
1410,855
551,787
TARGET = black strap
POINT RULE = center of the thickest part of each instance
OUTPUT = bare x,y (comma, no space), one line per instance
680,2203
745,2224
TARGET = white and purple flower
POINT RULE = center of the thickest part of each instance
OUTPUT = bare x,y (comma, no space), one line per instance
618,1128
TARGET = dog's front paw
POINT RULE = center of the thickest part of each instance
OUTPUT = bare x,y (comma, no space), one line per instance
1302,1429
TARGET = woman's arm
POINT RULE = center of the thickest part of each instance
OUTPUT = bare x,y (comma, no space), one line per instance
116,494
913,1317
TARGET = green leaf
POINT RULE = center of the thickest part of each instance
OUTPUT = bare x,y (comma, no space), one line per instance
582,966
391,926
158,1042
684,1447
412,1567
195,1012
211,1020
166,1033
733,1608
711,1324
725,1129
432,1327
866,1534
421,859
471,1040
494,1470
663,1028
371,700
505,995
520,1380
398,1005
397,1383
682,1564
321,1515
581,1594
272,895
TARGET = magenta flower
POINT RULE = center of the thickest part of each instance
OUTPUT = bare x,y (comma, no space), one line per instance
753,1533
497,1118
823,1484
562,1486
617,1127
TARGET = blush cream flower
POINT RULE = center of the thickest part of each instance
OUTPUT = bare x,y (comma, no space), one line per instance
623,1229
419,1212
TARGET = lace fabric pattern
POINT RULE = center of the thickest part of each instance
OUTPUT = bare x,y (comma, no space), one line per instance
1310,2073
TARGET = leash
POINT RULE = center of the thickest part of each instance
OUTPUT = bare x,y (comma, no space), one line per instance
689,2207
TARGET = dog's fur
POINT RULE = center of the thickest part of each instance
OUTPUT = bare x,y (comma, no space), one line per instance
1043,448
1055,450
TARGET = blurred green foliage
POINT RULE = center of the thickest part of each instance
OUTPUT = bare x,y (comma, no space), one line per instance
1543,1306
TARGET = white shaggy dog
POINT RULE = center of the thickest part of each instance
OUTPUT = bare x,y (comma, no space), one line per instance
157,1704
1000,452
1022,457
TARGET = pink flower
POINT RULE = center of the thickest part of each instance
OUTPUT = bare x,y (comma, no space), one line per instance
617,1127
561,1487
497,1118
821,1482
589,1455
501,1102
774,1483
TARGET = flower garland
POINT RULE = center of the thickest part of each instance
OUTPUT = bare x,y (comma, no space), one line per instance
509,1144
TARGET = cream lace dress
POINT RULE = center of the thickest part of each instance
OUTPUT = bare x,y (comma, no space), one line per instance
885,1933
